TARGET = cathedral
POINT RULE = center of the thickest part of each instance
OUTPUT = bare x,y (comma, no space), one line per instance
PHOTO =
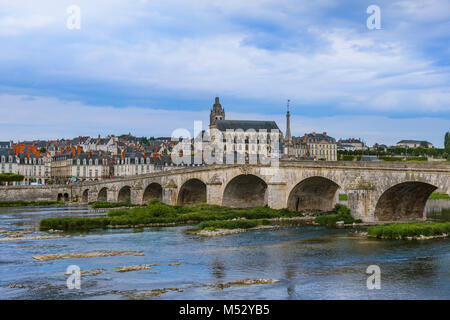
311,146
239,131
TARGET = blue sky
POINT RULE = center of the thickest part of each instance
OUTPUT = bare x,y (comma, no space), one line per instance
150,67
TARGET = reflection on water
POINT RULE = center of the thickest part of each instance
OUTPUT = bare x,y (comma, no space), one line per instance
438,209
310,262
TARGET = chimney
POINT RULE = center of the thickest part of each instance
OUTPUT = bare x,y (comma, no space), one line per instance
314,134
73,152
325,134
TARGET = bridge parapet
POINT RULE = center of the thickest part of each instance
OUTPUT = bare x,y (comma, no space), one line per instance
375,190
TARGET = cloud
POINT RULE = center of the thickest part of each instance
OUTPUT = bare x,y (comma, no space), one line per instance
256,53
37,117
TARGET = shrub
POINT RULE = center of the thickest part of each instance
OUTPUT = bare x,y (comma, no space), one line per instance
343,197
347,158
339,213
98,205
117,212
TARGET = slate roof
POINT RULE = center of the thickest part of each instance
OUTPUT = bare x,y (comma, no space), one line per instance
224,125
319,137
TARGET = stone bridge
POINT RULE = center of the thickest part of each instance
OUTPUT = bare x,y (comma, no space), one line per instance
377,191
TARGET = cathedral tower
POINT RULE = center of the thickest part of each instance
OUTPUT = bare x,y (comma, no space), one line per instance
217,113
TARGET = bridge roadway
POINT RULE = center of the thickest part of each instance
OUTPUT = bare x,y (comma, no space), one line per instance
377,191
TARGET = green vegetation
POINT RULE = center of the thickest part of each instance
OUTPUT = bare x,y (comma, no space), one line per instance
232,224
20,203
339,213
419,154
387,158
343,197
447,142
347,157
160,213
439,196
98,205
411,229
10,177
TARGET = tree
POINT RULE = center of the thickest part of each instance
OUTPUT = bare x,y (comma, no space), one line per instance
10,177
447,142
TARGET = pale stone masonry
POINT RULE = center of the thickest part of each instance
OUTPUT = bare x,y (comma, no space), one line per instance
377,191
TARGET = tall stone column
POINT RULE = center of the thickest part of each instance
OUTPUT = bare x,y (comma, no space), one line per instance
276,195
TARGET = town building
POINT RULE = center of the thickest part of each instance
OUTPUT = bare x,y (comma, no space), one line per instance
312,146
135,163
351,144
74,165
413,144
26,161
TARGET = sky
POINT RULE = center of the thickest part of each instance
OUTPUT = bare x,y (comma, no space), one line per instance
151,67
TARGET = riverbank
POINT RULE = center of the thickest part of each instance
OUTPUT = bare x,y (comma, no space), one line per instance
22,203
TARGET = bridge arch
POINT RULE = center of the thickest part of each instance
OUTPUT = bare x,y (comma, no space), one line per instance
85,196
245,191
192,192
124,194
102,195
315,193
403,201
152,191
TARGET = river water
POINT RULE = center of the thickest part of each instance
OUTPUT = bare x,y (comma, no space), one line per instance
309,262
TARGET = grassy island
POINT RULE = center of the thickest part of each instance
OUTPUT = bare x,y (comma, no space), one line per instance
156,213
108,205
21,203
410,230
339,213
232,224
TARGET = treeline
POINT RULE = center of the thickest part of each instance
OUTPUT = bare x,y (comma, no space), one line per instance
420,152
346,157
10,177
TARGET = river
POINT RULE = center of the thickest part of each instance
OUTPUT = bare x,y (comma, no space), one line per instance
309,262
